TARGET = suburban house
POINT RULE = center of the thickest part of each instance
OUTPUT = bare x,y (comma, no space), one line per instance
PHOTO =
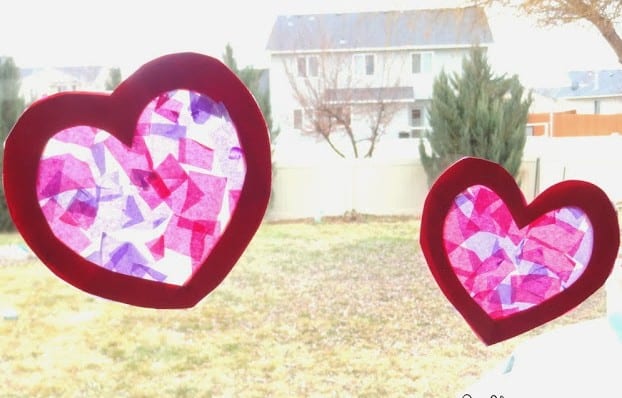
589,104
40,82
371,70
597,92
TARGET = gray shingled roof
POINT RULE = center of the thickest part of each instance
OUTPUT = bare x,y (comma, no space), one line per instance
385,29
587,84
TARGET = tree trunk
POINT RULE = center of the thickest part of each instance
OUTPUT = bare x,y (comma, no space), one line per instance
374,128
334,148
352,141
607,29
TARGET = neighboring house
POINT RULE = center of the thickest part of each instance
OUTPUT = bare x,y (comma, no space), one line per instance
391,57
589,104
40,82
544,104
589,92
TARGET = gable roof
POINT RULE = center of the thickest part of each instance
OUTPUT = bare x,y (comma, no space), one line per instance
588,84
385,29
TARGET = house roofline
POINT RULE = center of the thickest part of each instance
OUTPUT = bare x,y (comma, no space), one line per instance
378,49
590,96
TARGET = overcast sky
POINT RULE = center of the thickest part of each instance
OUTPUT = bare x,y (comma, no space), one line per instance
129,33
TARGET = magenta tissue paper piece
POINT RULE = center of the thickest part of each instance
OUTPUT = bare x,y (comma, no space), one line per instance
506,269
152,211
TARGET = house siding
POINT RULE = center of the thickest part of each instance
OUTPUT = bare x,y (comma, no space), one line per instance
391,38
586,92
604,106
392,68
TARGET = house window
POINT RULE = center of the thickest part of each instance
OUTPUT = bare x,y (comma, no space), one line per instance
415,117
313,66
422,62
308,66
364,64
415,121
298,119
596,107
414,133
302,67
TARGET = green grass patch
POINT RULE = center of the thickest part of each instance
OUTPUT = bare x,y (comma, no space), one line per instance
330,309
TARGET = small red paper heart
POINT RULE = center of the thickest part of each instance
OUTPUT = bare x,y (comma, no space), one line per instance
148,195
509,267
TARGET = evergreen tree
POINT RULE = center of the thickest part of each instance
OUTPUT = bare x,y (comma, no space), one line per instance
251,78
229,60
114,78
476,114
11,107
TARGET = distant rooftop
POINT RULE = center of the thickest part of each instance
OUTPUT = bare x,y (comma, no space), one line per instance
81,73
588,84
407,28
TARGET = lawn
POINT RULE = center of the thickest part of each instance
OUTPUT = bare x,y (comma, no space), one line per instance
340,308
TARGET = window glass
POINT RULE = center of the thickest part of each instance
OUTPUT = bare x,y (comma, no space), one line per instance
302,67
364,64
369,64
422,62
415,117
313,65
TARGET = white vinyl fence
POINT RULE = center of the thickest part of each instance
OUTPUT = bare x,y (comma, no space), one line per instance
379,187
385,186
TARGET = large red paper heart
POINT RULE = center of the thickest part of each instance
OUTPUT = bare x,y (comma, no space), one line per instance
509,267
147,195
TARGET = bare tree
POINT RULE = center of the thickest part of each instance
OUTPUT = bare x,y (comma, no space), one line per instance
602,14
348,99
331,96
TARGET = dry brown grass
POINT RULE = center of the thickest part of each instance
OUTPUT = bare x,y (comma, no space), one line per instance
331,309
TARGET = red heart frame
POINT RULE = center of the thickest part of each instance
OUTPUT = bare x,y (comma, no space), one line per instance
474,171
117,113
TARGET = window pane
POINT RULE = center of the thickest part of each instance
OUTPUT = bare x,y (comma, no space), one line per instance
363,64
426,63
422,62
359,67
369,64
313,67
415,117
302,67
416,60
